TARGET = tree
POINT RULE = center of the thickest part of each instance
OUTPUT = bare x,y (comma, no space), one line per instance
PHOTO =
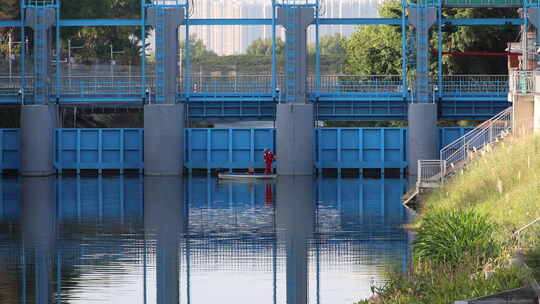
376,49
263,46
197,50
479,39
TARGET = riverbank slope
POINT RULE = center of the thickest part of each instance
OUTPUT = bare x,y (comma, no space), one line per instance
465,231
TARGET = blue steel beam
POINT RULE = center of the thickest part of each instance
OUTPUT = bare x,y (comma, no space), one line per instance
100,22
484,21
322,21
10,23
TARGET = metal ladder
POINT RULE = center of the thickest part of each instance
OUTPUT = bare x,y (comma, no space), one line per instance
290,56
40,58
160,56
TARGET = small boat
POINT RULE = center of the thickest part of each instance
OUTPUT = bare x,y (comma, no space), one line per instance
246,176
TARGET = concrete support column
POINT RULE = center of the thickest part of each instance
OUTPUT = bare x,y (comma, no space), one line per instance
38,123
294,117
534,19
164,122
164,220
423,135
423,142
536,115
38,197
41,20
294,139
295,218
164,139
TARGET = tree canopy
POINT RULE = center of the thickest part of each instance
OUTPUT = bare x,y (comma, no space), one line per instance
376,49
263,46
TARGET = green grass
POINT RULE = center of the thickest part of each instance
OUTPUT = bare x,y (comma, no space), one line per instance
503,185
450,237
465,229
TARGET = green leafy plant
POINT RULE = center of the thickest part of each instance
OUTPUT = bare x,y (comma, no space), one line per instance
448,237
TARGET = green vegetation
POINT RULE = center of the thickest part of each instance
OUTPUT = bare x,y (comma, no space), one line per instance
450,237
376,49
465,232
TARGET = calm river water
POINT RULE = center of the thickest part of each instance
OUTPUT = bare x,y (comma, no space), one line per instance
198,240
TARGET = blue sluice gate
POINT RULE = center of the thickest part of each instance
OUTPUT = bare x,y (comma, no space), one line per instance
233,148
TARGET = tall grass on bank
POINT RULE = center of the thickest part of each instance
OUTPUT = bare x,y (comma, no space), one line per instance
503,185
465,231
448,238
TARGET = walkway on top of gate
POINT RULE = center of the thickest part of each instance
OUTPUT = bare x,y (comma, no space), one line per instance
253,97
122,149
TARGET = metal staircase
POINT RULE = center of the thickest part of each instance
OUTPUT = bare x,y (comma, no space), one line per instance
458,154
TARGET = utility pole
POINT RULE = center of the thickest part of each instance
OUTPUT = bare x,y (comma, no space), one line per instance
113,62
69,59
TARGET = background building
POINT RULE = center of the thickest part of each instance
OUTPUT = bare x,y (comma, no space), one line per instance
232,40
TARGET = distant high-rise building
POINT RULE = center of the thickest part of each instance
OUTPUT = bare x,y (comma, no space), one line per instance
235,39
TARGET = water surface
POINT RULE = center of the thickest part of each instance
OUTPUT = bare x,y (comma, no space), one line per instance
197,240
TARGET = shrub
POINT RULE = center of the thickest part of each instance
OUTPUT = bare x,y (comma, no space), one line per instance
449,237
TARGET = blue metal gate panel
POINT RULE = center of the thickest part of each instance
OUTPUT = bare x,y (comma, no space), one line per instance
122,149
227,148
360,148
99,149
449,134
9,149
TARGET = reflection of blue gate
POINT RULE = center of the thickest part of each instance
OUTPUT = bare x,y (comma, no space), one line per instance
9,149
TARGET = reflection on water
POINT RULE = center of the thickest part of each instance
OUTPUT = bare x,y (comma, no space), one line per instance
196,240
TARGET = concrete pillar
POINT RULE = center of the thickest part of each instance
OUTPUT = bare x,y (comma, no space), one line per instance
41,20
38,123
534,19
164,139
423,135
164,122
523,120
536,115
294,117
38,197
295,218
423,141
164,221
294,139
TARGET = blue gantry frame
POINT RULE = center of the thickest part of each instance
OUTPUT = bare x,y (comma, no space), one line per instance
366,98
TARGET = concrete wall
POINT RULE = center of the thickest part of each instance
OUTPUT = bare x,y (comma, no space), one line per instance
523,112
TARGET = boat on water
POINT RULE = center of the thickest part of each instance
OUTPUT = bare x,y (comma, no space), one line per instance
246,176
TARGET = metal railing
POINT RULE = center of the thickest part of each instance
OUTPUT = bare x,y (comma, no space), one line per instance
522,82
204,84
474,83
481,3
458,153
297,2
40,3
100,86
431,171
11,85
357,83
167,2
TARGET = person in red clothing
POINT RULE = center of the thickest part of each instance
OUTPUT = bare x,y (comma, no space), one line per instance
269,158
